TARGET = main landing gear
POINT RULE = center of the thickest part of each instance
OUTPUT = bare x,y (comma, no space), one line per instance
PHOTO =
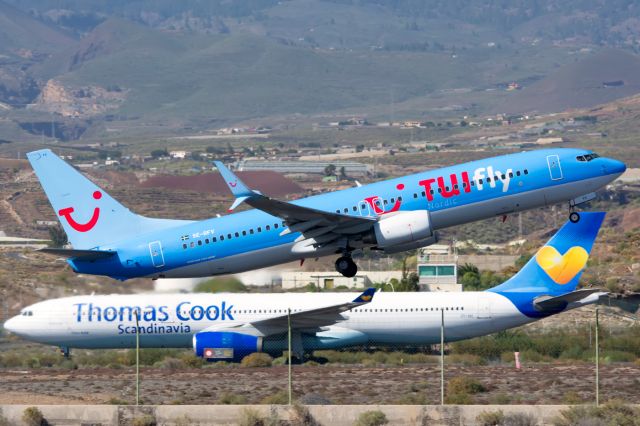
346,266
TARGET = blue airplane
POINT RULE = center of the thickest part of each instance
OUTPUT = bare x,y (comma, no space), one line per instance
231,326
392,216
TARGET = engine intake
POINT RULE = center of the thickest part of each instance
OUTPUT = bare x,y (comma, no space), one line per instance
404,231
225,345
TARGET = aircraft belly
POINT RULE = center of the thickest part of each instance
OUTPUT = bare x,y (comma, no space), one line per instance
236,263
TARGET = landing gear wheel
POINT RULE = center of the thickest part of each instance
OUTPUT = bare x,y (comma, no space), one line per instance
346,266
574,217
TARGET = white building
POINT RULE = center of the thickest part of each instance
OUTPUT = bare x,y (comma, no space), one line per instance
329,280
438,269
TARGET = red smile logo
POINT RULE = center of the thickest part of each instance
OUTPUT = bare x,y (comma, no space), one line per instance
82,227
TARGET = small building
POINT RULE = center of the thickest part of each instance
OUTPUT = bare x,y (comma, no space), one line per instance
181,155
438,268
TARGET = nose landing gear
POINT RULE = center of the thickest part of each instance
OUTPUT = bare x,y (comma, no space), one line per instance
574,217
346,266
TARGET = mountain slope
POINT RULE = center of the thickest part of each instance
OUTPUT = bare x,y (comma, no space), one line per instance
602,77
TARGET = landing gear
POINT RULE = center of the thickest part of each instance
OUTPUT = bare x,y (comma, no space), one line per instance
574,217
346,266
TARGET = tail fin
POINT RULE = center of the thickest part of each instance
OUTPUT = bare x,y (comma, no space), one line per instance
557,266
90,217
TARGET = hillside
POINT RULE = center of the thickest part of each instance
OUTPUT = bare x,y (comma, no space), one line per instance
602,77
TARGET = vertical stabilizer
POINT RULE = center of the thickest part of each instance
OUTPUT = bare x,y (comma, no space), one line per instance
88,214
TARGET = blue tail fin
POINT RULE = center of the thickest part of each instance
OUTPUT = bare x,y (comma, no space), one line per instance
90,217
556,268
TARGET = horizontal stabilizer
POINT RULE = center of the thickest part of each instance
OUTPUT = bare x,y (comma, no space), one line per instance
87,255
548,303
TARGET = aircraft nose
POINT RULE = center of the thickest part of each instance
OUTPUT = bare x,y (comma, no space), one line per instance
614,167
11,325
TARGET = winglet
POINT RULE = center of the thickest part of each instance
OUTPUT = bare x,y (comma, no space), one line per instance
235,185
366,296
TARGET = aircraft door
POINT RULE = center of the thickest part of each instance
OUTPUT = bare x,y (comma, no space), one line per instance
554,167
157,257
365,209
484,307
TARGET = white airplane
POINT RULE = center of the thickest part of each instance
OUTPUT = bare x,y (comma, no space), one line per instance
230,326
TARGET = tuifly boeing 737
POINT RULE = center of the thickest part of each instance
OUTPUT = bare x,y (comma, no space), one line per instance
230,326
392,216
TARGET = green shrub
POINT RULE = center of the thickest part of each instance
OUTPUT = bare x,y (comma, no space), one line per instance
257,359
613,413
372,418
302,417
465,384
144,420
32,416
465,359
278,398
490,418
230,398
221,285
116,401
3,419
250,417
520,419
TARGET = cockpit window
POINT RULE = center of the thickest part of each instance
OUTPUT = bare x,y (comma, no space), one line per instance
587,157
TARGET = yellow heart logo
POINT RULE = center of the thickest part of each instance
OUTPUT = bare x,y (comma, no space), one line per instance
365,298
562,268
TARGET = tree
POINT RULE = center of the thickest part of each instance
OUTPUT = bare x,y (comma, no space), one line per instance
58,236
330,170
343,173
157,153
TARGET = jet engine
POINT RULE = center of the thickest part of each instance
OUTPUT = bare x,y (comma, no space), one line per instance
403,231
225,345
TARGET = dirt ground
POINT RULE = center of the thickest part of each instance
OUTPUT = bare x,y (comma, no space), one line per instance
537,384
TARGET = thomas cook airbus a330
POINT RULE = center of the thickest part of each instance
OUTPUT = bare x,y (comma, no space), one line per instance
392,216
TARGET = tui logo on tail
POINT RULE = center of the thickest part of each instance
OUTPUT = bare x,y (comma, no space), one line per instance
562,268
82,227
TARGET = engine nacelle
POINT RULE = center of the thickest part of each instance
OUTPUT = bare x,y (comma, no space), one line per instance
404,229
225,345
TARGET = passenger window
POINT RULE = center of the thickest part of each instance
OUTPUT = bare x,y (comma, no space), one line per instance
192,245
213,240
526,172
275,226
385,202
244,233
415,195
488,179
237,234
206,241
355,209
184,246
393,200
251,231
479,181
504,177
518,173
221,237
510,174
228,236
259,229
268,227
423,193
346,210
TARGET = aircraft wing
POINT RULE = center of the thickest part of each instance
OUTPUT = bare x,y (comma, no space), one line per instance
310,319
322,226
546,303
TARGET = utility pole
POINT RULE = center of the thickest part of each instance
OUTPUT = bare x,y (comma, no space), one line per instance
137,313
597,359
289,345
442,357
